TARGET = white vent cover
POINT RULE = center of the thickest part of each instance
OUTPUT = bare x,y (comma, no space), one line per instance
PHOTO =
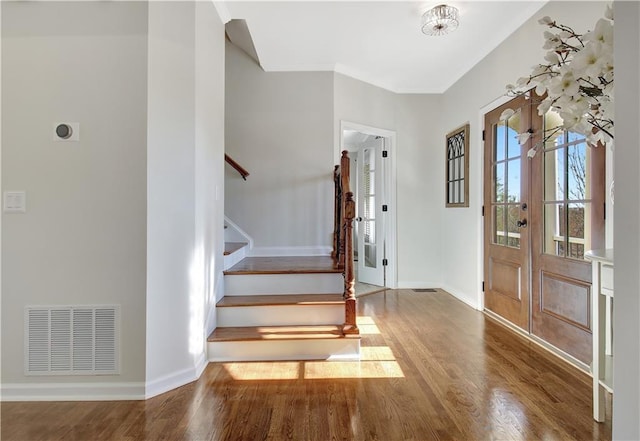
72,340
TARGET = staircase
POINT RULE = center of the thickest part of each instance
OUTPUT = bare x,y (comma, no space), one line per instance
291,308
282,308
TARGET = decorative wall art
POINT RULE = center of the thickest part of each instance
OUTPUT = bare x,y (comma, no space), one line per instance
457,168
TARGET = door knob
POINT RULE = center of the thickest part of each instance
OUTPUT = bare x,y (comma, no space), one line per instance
521,223
358,219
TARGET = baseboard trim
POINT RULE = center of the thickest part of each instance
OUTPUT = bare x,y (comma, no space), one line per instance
417,285
102,391
289,251
460,296
172,381
72,391
201,364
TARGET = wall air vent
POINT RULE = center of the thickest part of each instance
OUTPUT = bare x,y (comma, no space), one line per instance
72,340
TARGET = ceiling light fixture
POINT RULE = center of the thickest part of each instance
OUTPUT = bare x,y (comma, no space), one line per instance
440,20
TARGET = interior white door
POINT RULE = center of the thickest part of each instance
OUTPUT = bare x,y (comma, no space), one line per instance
370,219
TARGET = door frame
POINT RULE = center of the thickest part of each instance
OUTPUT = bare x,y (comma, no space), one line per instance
479,189
389,193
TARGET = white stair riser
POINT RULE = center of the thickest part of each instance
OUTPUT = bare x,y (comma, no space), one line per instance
265,284
270,350
280,315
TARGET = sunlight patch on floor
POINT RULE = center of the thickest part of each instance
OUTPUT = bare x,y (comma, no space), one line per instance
352,369
367,326
263,370
376,353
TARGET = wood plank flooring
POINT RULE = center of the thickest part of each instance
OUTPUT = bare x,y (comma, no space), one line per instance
284,265
431,369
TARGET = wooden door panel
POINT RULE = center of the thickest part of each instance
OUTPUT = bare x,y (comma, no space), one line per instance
566,299
505,278
562,314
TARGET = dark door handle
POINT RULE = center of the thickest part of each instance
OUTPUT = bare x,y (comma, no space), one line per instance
358,219
521,223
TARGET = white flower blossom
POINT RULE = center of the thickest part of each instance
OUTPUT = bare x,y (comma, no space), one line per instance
521,82
552,57
570,119
546,20
590,61
602,33
552,40
524,137
577,81
506,114
564,85
544,107
608,13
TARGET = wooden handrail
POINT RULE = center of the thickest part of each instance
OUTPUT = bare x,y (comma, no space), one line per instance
243,172
345,212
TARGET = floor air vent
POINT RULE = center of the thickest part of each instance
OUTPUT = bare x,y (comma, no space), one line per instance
425,290
72,340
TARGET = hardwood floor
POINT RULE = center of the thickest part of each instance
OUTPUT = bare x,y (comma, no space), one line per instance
432,369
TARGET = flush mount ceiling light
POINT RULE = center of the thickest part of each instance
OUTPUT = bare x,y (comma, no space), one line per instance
440,20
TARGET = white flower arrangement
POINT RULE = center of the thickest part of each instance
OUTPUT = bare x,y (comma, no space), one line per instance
577,80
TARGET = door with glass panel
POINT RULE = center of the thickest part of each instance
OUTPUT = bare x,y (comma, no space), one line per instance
506,208
567,220
370,243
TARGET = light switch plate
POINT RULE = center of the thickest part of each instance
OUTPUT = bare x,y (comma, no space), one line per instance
14,202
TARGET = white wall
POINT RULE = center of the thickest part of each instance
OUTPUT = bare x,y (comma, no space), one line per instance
209,138
420,190
82,239
462,227
279,127
419,153
185,221
626,332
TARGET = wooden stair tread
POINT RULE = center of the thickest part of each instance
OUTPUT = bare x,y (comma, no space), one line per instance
231,247
284,265
282,299
278,333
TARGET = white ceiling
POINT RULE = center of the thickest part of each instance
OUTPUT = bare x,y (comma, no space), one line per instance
378,42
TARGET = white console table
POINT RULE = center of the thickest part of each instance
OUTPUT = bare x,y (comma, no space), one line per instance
601,313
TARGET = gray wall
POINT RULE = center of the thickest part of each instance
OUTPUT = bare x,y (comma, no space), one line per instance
133,213
279,127
419,153
82,239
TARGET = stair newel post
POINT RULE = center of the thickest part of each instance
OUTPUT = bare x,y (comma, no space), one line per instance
350,326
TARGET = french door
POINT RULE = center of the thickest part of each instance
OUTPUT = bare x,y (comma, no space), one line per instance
543,213
506,205
370,228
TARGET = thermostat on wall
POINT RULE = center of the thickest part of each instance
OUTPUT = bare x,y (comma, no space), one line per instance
66,131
